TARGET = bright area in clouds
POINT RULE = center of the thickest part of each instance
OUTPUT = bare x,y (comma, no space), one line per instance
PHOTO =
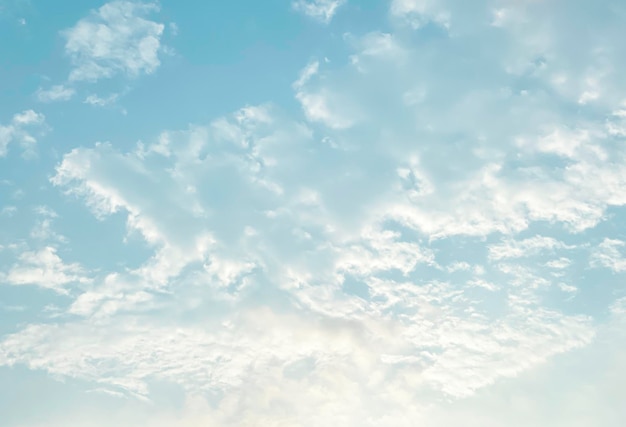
427,231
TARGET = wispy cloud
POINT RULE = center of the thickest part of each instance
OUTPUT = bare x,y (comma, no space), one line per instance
419,13
322,105
610,254
98,101
46,269
321,10
526,247
20,130
55,93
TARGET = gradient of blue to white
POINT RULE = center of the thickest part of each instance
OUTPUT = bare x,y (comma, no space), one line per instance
312,213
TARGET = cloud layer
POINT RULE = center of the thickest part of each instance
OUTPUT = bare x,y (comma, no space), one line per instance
425,237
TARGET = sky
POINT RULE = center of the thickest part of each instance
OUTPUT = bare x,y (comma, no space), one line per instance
303,213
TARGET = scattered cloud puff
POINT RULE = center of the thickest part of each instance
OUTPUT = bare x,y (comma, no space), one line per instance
55,93
44,268
609,254
115,39
418,13
321,10
20,130
98,101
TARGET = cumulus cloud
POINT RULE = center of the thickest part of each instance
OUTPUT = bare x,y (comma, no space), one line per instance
118,38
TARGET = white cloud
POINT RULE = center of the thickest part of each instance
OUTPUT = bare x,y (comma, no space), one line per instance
453,355
115,39
42,230
55,93
277,396
480,283
317,108
418,13
306,74
28,117
20,130
524,248
293,243
559,263
458,266
323,106
608,254
46,269
381,252
322,10
98,101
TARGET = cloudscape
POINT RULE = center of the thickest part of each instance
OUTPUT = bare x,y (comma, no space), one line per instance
312,213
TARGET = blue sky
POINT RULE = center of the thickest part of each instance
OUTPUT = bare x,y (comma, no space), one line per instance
312,213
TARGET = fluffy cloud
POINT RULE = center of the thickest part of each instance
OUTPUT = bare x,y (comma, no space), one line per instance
115,39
